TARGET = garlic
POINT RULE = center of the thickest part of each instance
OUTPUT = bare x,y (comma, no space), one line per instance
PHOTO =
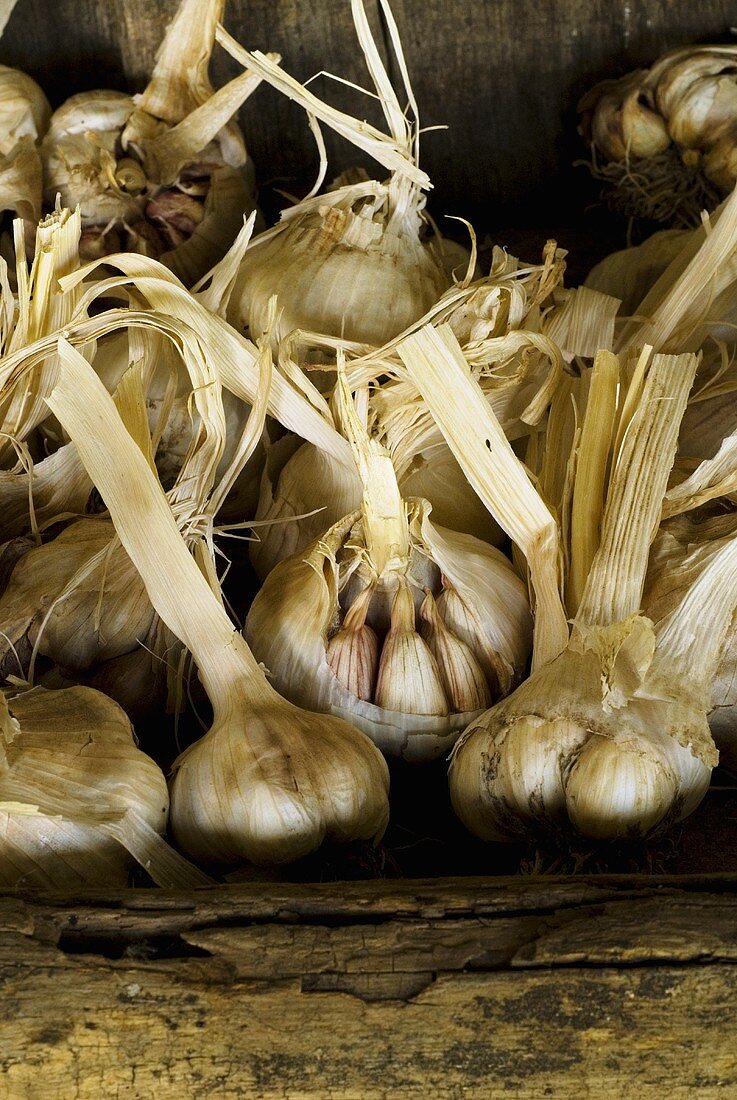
349,263
77,599
164,173
466,685
79,802
409,677
24,117
684,546
375,566
353,651
667,136
498,321
268,782
609,733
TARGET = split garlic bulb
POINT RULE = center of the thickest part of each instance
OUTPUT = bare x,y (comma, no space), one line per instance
408,651
665,138
79,802
165,173
388,619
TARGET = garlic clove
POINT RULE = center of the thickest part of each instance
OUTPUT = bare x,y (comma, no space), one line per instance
619,789
463,678
353,652
409,678
462,621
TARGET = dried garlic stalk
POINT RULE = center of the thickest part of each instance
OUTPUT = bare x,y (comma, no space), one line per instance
268,782
498,319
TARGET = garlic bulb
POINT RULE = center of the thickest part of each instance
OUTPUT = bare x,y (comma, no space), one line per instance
609,733
349,263
164,173
268,782
664,139
383,576
79,802
24,109
77,599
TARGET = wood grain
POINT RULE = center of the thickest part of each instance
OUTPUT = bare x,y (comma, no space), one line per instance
503,75
555,988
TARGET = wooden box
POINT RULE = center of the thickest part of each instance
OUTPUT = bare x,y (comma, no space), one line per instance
532,985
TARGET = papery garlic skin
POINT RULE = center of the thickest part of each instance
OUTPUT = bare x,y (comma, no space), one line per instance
314,778
553,753
340,271
69,764
303,599
310,481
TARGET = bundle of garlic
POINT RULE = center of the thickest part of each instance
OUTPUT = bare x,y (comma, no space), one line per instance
268,782
610,731
498,320
351,262
164,173
79,802
24,118
403,627
664,139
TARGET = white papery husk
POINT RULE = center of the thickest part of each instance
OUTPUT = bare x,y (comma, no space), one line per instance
683,546
292,617
587,740
79,802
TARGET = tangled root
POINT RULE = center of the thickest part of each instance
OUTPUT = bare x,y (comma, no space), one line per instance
660,188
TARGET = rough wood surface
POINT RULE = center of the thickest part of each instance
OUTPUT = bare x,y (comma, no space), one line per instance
503,75
596,987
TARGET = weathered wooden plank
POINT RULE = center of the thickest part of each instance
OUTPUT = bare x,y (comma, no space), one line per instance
353,1000
140,913
92,1028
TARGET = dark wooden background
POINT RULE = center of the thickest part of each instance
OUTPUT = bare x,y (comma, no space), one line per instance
504,75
